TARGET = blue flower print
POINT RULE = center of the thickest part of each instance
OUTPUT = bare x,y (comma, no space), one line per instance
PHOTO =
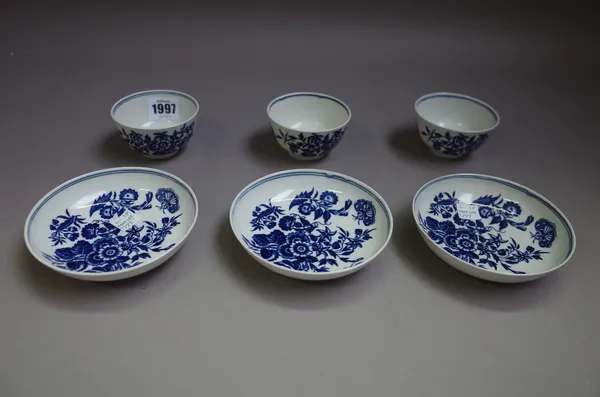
169,201
480,242
512,209
501,211
299,243
305,208
321,205
128,195
365,212
107,253
65,228
90,231
103,247
75,257
108,212
265,216
545,233
311,144
454,144
328,198
161,143
485,212
295,222
111,203
437,230
98,229
464,240
444,204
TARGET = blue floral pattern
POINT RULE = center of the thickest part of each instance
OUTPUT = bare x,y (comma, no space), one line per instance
545,233
99,246
481,242
160,143
302,238
452,143
311,144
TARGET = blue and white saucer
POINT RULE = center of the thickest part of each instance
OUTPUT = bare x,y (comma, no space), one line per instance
311,224
492,228
111,224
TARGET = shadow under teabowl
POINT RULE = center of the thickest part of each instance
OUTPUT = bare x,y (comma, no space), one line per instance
407,143
78,295
281,290
421,261
263,146
116,153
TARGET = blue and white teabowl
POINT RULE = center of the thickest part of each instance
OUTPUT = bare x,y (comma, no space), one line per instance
308,125
311,224
156,123
111,224
492,228
454,125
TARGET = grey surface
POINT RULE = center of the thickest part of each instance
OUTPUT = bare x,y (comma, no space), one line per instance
212,322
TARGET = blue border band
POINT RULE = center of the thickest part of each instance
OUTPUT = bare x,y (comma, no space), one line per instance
100,174
149,93
310,95
473,100
513,186
313,173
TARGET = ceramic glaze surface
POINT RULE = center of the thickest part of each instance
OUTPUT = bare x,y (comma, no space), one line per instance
454,125
155,138
308,125
311,224
492,228
111,224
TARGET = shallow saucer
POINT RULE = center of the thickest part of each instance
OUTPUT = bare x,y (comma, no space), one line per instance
111,224
311,224
492,228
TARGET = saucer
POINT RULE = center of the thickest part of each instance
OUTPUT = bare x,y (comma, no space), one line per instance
492,228
111,224
311,224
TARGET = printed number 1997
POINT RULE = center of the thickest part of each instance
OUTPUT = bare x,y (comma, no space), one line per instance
163,108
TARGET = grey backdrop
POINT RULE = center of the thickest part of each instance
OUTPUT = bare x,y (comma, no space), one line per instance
212,322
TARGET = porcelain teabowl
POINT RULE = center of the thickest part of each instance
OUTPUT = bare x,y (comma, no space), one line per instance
454,125
111,224
156,123
308,125
492,228
311,224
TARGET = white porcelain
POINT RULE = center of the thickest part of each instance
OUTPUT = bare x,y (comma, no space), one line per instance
308,125
311,224
492,228
454,125
156,136
111,224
